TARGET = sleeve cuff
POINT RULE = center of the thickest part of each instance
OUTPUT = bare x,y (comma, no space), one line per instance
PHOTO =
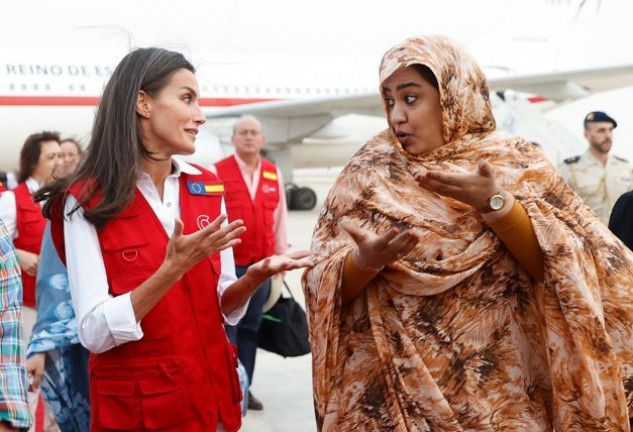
235,316
119,315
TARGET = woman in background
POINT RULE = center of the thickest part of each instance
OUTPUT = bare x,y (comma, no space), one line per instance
55,357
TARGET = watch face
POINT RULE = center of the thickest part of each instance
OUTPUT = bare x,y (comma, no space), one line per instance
496,202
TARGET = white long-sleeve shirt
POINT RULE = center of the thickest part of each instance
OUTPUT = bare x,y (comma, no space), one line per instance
104,321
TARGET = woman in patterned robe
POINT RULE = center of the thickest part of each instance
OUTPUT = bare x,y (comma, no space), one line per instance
430,312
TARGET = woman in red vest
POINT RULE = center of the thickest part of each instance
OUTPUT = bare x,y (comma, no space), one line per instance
39,159
148,251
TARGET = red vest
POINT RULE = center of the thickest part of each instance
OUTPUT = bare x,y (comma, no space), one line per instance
181,376
258,242
30,224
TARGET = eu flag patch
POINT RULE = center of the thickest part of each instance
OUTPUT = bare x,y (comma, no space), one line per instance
269,175
205,189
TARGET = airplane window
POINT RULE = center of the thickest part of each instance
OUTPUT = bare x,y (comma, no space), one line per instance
226,89
36,87
256,90
267,89
47,86
308,90
287,90
318,90
71,87
11,86
23,86
82,87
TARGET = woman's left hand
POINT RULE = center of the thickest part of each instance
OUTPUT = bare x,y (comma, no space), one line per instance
473,188
270,266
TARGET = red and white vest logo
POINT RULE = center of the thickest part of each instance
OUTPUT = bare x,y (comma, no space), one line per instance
203,221
267,189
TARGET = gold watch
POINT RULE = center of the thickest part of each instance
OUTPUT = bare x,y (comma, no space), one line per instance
495,202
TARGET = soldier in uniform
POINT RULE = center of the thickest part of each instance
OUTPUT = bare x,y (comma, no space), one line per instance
597,177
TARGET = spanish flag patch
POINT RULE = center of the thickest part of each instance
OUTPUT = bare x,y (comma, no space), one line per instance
205,189
269,175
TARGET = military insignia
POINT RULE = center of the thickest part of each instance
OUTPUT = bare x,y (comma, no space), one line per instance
205,188
572,160
589,117
621,159
269,175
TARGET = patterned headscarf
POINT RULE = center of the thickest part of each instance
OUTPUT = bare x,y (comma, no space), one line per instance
456,335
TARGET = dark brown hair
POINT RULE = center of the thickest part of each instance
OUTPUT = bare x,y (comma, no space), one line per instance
30,153
427,74
113,157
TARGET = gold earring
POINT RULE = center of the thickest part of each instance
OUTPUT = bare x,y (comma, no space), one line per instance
147,114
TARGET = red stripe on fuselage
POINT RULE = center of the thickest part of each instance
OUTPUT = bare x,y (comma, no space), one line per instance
94,101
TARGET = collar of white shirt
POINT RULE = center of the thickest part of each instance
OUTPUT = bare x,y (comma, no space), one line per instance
32,185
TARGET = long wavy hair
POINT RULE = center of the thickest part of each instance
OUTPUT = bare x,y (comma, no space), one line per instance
113,157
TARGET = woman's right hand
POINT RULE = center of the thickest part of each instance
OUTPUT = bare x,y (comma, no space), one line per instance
35,370
184,251
28,261
374,251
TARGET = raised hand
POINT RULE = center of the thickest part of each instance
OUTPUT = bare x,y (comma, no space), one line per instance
242,289
374,251
184,251
474,188
280,263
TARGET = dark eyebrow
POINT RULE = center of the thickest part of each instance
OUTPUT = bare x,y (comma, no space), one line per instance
195,93
402,86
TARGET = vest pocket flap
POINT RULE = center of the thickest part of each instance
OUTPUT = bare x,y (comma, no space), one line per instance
116,388
270,205
164,403
117,410
131,243
159,385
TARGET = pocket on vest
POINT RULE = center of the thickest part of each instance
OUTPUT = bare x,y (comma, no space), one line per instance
127,250
234,210
269,212
151,397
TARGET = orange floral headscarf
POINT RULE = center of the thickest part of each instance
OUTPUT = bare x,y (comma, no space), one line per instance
456,335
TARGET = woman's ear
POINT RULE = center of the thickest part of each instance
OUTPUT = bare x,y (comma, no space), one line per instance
143,104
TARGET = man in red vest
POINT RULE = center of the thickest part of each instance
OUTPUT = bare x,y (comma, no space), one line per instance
254,192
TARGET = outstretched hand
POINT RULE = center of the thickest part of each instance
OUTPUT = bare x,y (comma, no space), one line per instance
474,188
184,251
374,251
280,263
